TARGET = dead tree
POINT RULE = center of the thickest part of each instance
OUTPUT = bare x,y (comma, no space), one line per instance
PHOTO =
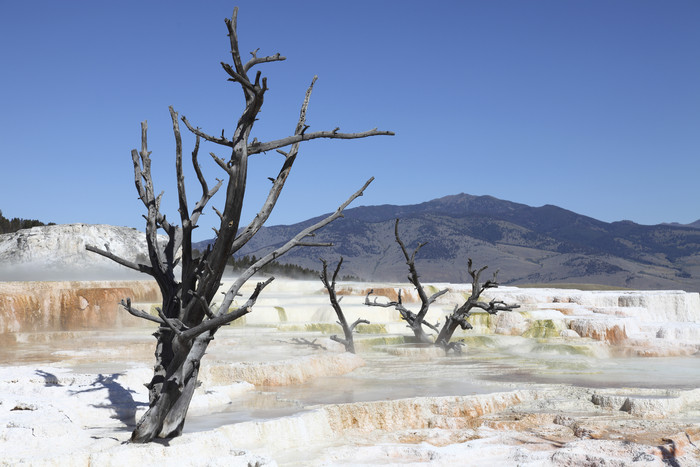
461,313
186,321
348,329
415,321
459,316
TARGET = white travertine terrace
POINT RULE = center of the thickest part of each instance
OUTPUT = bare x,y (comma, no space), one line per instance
570,378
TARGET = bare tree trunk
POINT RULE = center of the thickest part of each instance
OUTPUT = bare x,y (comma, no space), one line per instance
348,341
415,321
165,417
459,316
186,322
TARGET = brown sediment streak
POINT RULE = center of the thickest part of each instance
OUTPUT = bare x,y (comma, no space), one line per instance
69,306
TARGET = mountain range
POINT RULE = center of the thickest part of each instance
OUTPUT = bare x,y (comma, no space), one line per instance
526,244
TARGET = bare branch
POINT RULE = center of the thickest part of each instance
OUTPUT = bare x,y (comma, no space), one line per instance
184,236
181,192
340,340
154,218
280,143
335,273
256,60
173,324
196,131
278,183
224,317
436,295
239,78
139,177
199,207
203,303
231,25
117,259
197,168
406,314
357,322
220,162
294,242
140,313
494,306
377,303
206,193
305,341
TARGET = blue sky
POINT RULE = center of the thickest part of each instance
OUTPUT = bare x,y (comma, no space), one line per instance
590,105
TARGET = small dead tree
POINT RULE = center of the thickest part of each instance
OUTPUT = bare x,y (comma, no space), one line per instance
186,321
461,313
415,321
459,316
348,329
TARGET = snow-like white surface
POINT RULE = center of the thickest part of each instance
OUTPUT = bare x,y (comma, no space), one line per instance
58,252
51,416
561,397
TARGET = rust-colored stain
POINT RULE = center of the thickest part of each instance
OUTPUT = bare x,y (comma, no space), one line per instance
68,306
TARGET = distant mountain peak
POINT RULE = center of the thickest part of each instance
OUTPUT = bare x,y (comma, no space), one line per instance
527,244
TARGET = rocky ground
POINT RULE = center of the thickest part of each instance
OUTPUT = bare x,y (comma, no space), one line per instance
245,413
572,378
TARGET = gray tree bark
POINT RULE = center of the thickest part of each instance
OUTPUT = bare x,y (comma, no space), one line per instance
458,318
187,324
415,321
348,341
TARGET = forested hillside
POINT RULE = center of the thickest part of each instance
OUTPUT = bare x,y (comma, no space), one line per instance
16,223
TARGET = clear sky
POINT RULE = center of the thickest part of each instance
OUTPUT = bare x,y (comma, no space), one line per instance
593,106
